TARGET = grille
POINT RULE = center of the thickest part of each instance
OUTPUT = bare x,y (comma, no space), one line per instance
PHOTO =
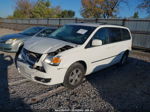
31,57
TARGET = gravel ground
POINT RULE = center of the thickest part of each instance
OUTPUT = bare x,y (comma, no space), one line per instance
116,89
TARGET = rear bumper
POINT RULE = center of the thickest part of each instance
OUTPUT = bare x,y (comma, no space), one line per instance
7,48
52,76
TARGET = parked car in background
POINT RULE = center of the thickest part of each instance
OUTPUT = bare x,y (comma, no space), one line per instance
13,42
72,52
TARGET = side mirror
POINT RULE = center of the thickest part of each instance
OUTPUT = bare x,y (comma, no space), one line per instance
96,42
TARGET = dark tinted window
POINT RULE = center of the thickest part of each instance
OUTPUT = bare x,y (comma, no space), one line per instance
114,35
110,35
46,32
102,34
32,31
125,34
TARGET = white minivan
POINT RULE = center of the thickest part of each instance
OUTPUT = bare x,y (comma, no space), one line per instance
72,52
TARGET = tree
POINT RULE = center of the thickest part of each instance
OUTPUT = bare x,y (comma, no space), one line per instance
27,9
99,8
56,12
145,5
67,14
41,9
136,15
23,9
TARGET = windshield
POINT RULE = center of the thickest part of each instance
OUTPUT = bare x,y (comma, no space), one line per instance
73,33
31,31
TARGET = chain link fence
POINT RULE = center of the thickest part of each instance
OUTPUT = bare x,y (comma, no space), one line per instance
140,28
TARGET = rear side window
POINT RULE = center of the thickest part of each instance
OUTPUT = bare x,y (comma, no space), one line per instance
114,35
125,34
110,35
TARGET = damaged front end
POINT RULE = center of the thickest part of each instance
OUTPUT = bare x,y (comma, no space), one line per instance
41,68
35,60
53,58
62,49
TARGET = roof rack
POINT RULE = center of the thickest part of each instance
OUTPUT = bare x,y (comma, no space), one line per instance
101,23
105,23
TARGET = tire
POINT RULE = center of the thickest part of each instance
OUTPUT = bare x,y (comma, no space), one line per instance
16,56
124,58
74,76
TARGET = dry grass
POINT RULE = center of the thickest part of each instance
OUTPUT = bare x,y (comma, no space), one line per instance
7,31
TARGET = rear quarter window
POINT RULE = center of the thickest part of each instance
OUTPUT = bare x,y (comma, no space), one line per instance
125,34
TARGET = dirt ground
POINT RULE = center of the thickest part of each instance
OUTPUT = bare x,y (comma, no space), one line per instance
6,31
115,89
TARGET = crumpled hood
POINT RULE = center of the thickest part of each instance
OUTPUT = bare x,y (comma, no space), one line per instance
12,36
45,45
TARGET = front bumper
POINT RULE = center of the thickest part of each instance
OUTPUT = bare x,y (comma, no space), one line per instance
7,48
52,75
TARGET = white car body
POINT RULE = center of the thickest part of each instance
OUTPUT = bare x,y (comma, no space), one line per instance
94,58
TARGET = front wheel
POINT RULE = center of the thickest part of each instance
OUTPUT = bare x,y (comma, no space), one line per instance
74,76
16,56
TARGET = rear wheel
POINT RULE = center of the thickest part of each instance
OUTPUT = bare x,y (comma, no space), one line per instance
74,76
124,58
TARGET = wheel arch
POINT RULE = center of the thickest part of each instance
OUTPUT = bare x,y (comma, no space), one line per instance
127,51
20,46
83,63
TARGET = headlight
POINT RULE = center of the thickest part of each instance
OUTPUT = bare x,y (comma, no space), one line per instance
11,41
55,61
